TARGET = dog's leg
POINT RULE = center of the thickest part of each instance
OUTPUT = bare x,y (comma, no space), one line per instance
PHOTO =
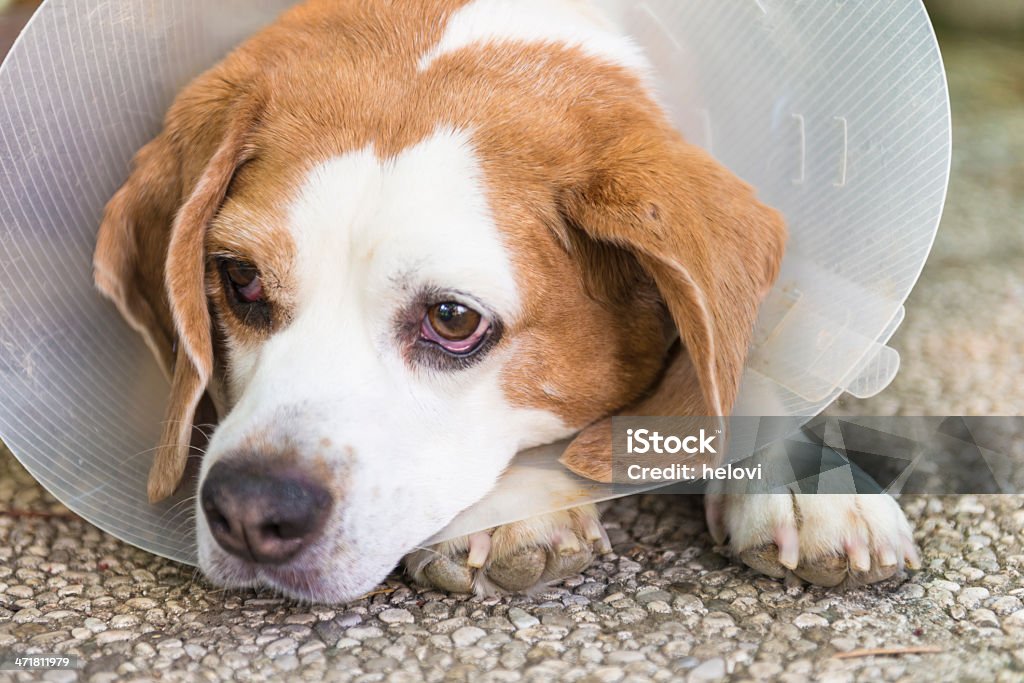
513,558
823,539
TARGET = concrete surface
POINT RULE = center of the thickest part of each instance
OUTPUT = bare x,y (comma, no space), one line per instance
13,15
1002,16
665,605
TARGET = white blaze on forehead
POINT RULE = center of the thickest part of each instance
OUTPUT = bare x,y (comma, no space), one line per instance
423,214
572,23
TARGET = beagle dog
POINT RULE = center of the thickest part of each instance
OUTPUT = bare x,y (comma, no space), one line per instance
391,244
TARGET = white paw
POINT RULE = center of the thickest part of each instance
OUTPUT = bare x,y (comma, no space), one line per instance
823,539
513,558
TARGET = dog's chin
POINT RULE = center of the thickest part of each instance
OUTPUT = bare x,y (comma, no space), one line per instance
312,585
306,584
299,580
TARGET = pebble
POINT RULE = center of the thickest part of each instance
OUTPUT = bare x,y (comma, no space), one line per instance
94,625
609,674
625,657
20,592
521,618
396,616
653,596
1006,604
124,621
1015,620
144,650
467,635
364,632
301,619
711,670
141,603
448,625
945,585
332,630
280,647
114,636
985,617
972,596
659,607
810,620
911,591
287,662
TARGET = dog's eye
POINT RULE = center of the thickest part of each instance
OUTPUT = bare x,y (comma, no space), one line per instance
244,279
455,327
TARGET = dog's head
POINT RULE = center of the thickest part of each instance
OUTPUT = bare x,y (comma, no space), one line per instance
394,252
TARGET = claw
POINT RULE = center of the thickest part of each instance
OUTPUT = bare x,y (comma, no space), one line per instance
858,554
479,549
912,558
565,542
604,546
595,533
788,541
714,511
888,557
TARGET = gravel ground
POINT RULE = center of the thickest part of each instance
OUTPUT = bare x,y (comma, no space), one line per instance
665,605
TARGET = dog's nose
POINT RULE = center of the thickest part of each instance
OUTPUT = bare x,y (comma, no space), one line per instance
265,516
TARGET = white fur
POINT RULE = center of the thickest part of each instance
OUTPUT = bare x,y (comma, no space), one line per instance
414,445
572,23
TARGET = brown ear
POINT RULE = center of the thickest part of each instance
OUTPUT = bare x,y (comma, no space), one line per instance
712,250
150,257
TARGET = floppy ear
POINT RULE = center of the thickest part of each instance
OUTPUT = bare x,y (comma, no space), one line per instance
713,252
150,257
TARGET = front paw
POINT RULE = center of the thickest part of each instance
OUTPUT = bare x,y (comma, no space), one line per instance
515,557
823,539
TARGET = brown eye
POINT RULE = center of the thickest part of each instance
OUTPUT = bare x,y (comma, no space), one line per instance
453,321
457,328
244,279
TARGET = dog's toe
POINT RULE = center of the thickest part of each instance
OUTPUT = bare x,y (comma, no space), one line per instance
568,561
826,540
450,574
828,570
516,557
520,571
765,559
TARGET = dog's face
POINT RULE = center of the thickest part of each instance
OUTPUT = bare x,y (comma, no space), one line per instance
396,245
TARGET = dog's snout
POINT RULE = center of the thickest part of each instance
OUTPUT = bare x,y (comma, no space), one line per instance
266,516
